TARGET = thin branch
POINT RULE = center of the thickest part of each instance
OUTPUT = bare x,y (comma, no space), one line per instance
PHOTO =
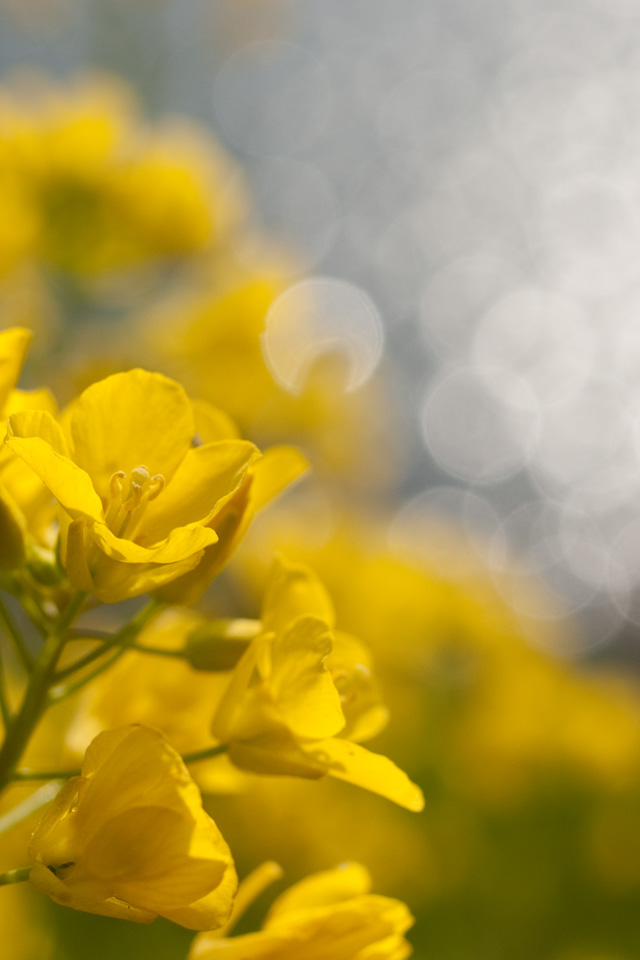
28,775
15,876
16,636
35,696
207,754
5,710
25,774
123,640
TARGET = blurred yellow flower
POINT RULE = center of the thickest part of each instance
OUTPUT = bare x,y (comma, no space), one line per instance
329,914
282,708
25,505
136,494
91,190
13,349
129,838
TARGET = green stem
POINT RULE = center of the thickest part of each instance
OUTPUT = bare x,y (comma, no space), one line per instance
5,710
15,876
28,775
123,640
16,636
207,754
35,697
25,774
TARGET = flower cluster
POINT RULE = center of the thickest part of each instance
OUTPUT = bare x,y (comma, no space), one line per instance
136,489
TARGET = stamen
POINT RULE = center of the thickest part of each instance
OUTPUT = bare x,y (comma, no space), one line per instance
134,499
116,485
156,486
124,510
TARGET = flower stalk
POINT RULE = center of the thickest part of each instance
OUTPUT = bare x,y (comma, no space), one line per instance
21,728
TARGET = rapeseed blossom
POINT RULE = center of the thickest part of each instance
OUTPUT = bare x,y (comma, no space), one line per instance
25,511
129,838
329,914
137,495
282,709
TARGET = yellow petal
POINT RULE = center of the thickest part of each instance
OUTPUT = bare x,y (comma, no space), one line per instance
13,349
275,756
128,420
70,485
114,580
322,889
351,762
181,543
27,422
300,684
366,926
46,882
211,911
142,854
228,717
130,767
41,399
278,467
265,479
75,549
293,591
252,946
205,480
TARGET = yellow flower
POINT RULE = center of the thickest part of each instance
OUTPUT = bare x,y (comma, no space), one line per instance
13,347
282,709
329,914
136,494
129,838
24,502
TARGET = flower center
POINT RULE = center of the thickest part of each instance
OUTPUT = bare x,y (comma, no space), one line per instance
128,499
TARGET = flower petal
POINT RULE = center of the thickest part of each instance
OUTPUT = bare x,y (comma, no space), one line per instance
181,543
210,911
115,580
322,889
294,591
205,480
128,420
351,762
27,422
143,854
278,467
300,684
147,772
70,485
13,349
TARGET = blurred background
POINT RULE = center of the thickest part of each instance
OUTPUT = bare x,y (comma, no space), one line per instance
406,237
